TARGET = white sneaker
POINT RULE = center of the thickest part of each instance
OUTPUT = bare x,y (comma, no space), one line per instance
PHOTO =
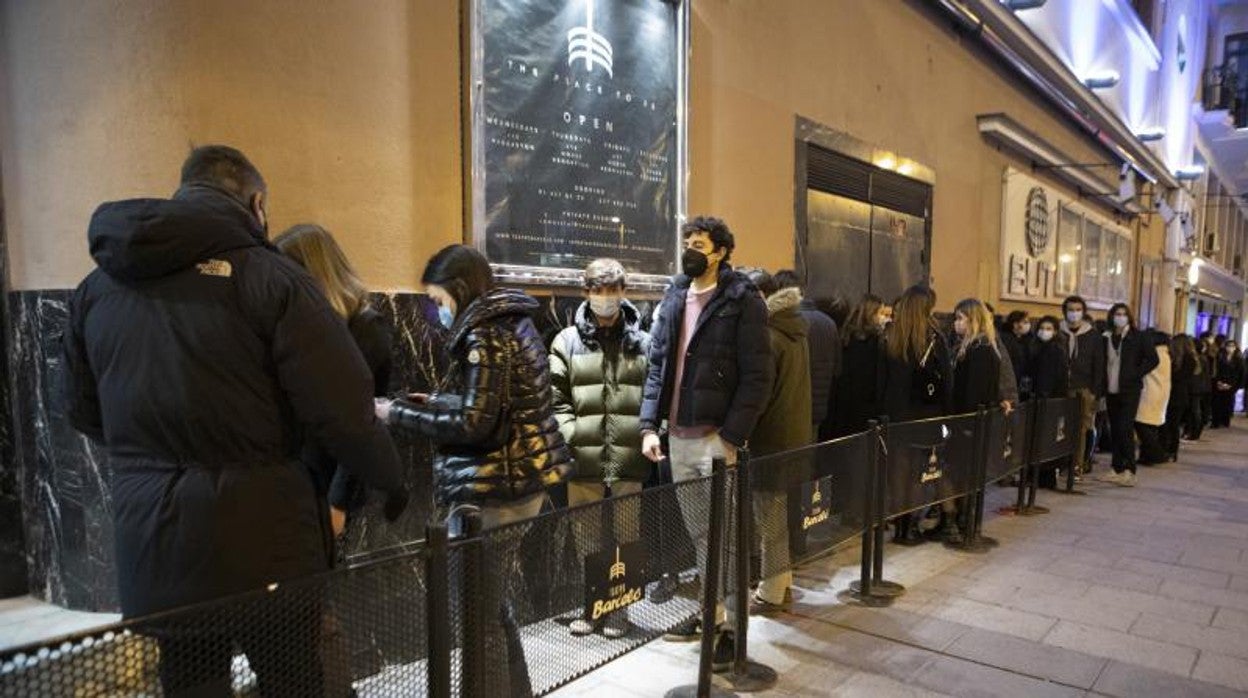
1127,480
1112,478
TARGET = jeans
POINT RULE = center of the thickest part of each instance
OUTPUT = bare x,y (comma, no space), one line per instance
1087,422
691,459
1122,409
772,530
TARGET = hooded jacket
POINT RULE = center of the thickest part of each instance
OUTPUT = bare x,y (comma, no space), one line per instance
597,375
1086,350
494,420
728,370
785,423
203,359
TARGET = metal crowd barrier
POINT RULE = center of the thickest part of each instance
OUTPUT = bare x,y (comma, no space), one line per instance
489,614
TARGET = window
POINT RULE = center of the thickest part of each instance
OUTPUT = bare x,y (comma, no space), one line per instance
1093,260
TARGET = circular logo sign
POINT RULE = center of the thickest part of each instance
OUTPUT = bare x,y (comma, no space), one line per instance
1037,221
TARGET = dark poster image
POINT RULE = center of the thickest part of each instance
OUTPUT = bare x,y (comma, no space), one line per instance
576,132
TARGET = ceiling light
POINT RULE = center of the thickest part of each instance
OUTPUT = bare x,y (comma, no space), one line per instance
1155,133
1102,80
1189,173
1193,271
1017,5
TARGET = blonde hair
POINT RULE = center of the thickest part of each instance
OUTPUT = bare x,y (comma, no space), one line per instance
314,249
978,325
907,338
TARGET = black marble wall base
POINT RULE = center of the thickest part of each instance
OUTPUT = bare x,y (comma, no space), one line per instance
64,480
12,542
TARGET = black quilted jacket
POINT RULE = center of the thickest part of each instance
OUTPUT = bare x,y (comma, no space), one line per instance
494,422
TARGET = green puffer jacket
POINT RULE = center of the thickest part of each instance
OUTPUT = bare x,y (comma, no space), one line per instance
597,375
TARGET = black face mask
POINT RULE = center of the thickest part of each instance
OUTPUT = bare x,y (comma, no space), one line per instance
693,263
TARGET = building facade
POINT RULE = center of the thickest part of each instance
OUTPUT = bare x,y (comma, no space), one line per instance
870,145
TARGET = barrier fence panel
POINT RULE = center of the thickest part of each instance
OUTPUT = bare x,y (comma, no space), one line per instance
1008,441
591,563
807,501
928,462
318,635
1056,424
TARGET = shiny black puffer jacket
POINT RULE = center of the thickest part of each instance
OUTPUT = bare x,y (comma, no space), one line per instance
493,421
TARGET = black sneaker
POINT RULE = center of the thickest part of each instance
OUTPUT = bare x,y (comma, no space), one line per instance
687,631
725,652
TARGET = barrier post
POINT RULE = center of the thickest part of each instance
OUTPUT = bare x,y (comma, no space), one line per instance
472,666
747,676
710,589
973,540
863,589
879,585
437,611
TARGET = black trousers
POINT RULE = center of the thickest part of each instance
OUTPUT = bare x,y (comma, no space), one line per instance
1223,404
1196,416
1122,409
1176,417
1151,451
281,639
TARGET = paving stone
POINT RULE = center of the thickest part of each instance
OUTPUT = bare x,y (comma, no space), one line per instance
1214,560
1123,647
900,625
867,685
1222,670
989,617
1232,642
1124,680
1202,594
1152,603
1175,573
1124,579
1030,658
962,678
1231,618
1078,609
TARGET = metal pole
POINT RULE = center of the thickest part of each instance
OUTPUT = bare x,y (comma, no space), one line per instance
710,583
745,542
437,611
473,663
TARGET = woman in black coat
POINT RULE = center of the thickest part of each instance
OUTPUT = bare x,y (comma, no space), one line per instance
1228,378
315,249
914,380
1184,363
856,402
1129,357
1018,341
493,419
977,364
1048,366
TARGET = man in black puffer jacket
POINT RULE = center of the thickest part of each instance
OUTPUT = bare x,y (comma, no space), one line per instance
202,358
709,377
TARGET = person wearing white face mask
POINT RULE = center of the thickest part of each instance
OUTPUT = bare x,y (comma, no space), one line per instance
598,370
1085,349
1129,357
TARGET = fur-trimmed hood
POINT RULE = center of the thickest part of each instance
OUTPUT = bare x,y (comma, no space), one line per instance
784,313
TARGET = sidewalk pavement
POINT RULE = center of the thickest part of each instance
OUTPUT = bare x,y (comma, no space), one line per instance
1124,592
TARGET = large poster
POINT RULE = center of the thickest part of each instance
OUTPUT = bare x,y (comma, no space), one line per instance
576,132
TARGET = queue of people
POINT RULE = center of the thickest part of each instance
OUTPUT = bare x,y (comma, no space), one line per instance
242,386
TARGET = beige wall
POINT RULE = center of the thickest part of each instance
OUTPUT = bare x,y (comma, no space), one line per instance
885,72
351,109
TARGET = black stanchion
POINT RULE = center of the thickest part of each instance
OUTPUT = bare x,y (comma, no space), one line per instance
879,585
973,541
863,589
747,676
437,611
472,664
1024,475
710,590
